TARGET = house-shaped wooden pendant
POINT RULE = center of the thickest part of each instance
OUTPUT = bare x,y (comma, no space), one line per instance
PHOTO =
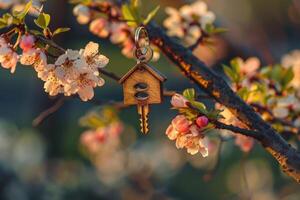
142,85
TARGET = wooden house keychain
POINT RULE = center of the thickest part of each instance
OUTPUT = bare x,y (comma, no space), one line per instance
142,85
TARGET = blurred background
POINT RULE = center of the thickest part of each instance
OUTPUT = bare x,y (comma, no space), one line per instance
46,161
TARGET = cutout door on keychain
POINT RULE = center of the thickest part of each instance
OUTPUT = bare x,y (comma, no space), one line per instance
142,85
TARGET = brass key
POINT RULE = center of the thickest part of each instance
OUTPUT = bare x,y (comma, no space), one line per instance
143,111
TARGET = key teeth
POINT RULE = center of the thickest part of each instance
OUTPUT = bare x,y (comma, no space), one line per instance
144,125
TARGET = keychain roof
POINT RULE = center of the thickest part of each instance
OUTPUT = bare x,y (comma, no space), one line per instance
150,69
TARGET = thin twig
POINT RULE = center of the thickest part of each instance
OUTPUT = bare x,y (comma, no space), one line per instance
110,75
39,119
235,129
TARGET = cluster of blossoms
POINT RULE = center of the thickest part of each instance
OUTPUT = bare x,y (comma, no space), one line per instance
94,140
189,22
188,133
117,31
104,126
73,72
272,90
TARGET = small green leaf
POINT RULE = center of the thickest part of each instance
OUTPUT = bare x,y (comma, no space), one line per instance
189,94
209,28
243,93
43,20
129,15
23,13
215,114
61,30
8,19
200,106
230,73
235,65
288,77
151,15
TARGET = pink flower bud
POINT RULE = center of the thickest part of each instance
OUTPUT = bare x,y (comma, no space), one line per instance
27,42
179,101
202,121
181,124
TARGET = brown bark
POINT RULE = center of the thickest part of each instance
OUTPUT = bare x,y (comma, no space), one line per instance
216,87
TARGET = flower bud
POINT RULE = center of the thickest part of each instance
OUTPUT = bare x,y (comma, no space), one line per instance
179,101
202,121
27,42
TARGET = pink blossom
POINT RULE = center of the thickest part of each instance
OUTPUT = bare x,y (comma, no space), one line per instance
181,124
195,130
27,42
128,47
249,66
171,132
244,142
179,101
202,121
100,27
118,33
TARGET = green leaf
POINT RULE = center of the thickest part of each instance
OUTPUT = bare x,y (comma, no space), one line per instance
23,13
288,77
151,15
200,106
8,19
215,114
61,30
230,73
129,15
235,65
43,20
276,73
189,94
243,93
209,28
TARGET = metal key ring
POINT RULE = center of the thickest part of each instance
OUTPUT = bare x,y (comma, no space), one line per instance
139,33
143,52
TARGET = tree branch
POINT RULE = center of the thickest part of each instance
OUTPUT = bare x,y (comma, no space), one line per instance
216,87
